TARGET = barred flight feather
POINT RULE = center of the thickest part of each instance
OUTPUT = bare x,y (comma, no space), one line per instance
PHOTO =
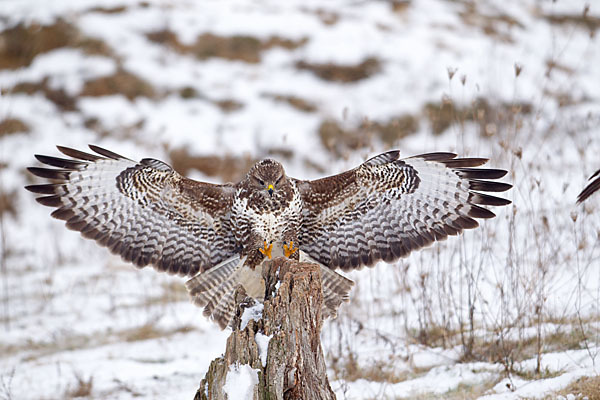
382,210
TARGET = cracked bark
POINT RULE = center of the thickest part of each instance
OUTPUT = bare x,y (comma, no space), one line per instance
295,366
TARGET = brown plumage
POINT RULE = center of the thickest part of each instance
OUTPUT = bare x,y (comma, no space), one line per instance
219,234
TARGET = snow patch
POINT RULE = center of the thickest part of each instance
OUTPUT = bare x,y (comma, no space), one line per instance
252,313
240,382
263,345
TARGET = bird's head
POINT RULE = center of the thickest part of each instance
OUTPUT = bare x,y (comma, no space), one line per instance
267,175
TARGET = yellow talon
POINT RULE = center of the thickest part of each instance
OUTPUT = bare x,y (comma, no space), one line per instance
267,250
289,250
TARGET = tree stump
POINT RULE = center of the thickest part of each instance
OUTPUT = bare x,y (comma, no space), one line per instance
289,328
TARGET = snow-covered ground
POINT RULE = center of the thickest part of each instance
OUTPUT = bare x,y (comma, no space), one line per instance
507,311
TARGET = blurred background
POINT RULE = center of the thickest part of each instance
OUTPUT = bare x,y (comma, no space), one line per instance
509,310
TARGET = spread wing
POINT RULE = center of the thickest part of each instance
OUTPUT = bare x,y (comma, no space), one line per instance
590,188
388,207
144,211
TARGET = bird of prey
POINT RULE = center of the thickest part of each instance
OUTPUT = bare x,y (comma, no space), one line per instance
219,235
593,186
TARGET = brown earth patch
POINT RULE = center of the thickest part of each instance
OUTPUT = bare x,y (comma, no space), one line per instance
583,20
59,97
127,131
9,126
490,117
8,203
394,129
297,102
400,6
108,10
496,25
238,47
188,92
342,73
226,168
20,44
121,82
228,105
341,141
327,17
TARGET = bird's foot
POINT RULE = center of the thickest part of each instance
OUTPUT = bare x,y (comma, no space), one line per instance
268,247
289,250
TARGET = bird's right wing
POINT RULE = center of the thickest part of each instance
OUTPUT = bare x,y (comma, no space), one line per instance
144,211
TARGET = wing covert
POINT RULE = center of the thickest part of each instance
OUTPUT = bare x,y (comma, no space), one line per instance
144,211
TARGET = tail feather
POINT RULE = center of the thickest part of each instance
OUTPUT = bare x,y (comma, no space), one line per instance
224,313
206,281
336,287
215,290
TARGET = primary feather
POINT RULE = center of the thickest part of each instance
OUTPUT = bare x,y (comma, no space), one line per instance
151,215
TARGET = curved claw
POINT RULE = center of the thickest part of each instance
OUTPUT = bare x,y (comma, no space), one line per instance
289,250
267,249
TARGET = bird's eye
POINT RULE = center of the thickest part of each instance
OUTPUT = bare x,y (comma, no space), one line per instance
261,182
278,180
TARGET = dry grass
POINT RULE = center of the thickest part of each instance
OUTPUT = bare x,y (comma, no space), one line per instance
228,105
327,17
20,44
151,331
121,82
189,92
342,73
341,141
59,97
108,10
238,47
124,131
400,6
34,350
8,126
83,387
490,116
582,20
226,168
8,203
296,102
349,370
585,387
497,25
462,392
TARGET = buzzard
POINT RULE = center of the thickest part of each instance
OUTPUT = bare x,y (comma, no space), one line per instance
590,188
220,234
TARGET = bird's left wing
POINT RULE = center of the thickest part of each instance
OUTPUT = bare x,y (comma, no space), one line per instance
388,207
144,211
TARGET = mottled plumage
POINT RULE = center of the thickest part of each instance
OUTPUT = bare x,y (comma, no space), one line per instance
593,186
220,234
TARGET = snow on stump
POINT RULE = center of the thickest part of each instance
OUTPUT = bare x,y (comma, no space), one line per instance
275,354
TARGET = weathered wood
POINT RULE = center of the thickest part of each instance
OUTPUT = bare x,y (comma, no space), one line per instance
292,317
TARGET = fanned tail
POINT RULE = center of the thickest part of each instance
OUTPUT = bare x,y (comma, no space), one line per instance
336,288
215,290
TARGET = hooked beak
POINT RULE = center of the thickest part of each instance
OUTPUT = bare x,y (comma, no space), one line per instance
271,189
